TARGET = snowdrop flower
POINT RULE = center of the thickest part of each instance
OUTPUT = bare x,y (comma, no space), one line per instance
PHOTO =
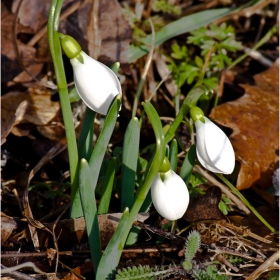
213,148
170,194
96,83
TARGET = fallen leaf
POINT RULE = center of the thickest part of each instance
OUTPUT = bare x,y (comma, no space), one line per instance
254,119
205,207
115,33
86,269
72,231
40,112
10,66
7,227
269,213
34,13
8,125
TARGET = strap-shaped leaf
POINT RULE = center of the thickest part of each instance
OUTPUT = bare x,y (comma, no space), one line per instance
107,188
111,256
103,140
188,164
178,27
90,213
152,169
86,135
129,162
183,25
173,154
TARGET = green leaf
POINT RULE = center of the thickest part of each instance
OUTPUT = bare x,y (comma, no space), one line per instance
107,188
173,155
199,61
129,162
100,148
153,167
90,213
188,102
85,144
74,95
111,256
178,27
188,164
115,67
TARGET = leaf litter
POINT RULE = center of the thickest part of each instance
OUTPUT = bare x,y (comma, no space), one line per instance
34,115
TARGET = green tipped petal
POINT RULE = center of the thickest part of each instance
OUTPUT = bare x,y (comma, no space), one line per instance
70,46
196,114
165,166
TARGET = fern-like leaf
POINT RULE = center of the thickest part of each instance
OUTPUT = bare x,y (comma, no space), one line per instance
146,273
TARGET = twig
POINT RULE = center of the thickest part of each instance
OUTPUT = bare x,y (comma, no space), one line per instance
269,262
72,271
218,251
63,16
59,147
141,250
55,239
245,12
20,266
224,189
220,258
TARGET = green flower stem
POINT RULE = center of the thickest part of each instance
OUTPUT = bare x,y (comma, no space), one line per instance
54,43
145,72
246,202
188,103
266,37
153,170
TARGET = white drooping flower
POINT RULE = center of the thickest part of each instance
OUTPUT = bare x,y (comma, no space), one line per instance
213,148
170,195
96,83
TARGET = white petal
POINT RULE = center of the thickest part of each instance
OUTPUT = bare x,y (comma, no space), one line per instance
219,148
201,147
96,84
171,197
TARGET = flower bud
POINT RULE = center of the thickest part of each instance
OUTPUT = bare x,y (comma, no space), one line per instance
170,195
213,148
96,83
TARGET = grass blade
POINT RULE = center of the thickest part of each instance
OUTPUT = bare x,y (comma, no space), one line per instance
188,164
129,163
86,135
173,154
103,140
175,28
110,259
90,213
107,188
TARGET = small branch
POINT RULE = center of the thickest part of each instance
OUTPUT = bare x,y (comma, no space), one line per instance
20,266
269,262
224,189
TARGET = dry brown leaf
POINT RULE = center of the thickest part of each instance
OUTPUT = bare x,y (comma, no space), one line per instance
72,231
8,125
40,112
205,207
7,226
10,66
254,119
34,13
115,33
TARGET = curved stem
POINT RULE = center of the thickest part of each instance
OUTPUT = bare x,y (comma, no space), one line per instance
54,44
153,170
246,202
188,102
